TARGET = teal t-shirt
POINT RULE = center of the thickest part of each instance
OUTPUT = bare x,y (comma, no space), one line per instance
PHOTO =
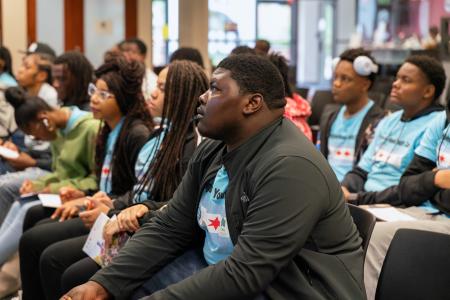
435,146
392,149
105,177
342,139
212,218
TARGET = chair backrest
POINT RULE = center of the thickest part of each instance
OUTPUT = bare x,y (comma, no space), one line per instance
318,103
416,266
302,92
365,222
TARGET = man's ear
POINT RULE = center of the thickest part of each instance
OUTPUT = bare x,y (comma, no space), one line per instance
254,103
430,89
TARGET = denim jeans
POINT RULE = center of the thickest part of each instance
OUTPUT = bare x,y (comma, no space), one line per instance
181,268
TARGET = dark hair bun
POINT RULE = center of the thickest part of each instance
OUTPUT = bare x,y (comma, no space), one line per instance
16,96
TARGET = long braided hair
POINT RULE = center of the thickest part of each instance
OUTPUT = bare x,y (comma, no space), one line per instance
185,82
124,81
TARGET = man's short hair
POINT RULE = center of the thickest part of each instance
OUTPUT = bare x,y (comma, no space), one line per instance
351,54
256,74
433,70
139,43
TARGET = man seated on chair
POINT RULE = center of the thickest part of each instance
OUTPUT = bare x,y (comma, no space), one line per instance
415,132
251,215
416,89
345,130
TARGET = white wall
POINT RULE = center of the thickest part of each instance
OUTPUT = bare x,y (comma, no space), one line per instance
50,23
14,29
104,26
345,24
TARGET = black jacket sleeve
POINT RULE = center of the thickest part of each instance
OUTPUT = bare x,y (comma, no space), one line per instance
354,180
417,182
43,158
162,240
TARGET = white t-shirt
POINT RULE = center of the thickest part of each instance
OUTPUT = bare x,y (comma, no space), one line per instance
49,95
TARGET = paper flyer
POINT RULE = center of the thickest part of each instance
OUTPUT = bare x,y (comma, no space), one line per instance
8,153
50,200
95,244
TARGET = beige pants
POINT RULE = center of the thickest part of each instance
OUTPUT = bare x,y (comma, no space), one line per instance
10,276
382,236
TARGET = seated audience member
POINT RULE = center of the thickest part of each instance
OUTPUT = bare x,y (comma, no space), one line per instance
135,49
426,181
243,50
345,130
34,75
7,78
7,124
297,109
186,53
71,74
252,204
262,47
72,134
424,189
159,168
116,98
417,87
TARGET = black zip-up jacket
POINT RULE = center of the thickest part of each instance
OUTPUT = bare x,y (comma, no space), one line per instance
365,132
355,179
293,236
417,184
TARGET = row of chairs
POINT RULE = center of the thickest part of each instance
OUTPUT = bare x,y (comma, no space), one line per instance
417,263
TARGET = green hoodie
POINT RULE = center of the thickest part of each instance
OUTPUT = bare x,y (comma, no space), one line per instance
73,153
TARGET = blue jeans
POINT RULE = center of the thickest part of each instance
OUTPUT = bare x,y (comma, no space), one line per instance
181,268
10,184
11,229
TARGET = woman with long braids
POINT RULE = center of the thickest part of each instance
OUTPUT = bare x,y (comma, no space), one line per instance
117,100
159,168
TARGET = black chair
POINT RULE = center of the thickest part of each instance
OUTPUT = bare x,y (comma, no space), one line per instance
417,266
302,92
365,222
318,102
378,97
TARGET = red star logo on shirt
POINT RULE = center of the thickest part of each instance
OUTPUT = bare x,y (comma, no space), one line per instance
441,158
347,153
214,223
338,152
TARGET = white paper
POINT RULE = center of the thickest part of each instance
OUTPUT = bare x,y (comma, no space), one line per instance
95,244
8,153
389,214
50,200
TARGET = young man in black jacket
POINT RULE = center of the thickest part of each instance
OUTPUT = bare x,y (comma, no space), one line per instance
346,130
259,199
417,88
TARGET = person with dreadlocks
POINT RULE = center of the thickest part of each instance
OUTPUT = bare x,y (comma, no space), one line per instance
117,100
259,212
72,73
159,168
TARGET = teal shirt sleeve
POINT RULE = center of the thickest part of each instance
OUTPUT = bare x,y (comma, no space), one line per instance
430,141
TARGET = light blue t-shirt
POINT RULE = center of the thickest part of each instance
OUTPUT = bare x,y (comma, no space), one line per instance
435,146
145,157
105,177
7,79
342,139
392,149
211,217
75,114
